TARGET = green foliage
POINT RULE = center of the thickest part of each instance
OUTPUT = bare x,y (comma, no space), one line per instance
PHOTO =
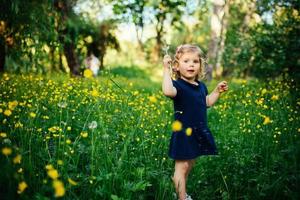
267,48
28,26
113,144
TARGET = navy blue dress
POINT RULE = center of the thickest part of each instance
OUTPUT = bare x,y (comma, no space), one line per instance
190,110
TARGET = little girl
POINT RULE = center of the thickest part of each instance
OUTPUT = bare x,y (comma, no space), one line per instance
191,136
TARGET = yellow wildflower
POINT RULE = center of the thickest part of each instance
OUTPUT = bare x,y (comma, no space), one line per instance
6,151
33,115
188,131
12,105
152,99
72,182
20,170
52,173
49,167
88,73
275,97
94,93
17,159
60,162
21,187
84,134
264,91
267,120
68,141
176,126
3,135
59,188
7,113
18,125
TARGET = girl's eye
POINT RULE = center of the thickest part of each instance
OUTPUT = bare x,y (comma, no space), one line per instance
185,61
196,61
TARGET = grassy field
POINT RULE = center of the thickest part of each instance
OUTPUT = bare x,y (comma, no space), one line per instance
107,138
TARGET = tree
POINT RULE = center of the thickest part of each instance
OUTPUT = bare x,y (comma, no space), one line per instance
68,32
132,11
102,38
219,21
157,12
262,40
21,34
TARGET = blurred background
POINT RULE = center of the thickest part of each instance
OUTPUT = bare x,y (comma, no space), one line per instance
239,38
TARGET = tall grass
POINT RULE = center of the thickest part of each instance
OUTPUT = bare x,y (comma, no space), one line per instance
108,139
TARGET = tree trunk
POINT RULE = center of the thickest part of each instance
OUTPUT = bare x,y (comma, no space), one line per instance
139,37
2,54
73,64
64,7
159,31
216,27
223,38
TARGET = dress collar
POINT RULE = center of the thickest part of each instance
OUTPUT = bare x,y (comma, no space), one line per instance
188,83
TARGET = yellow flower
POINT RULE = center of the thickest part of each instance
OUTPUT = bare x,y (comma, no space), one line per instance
84,134
259,101
72,182
49,167
59,188
176,126
21,187
17,159
52,173
7,112
275,97
69,128
267,120
264,91
88,73
152,99
188,131
6,151
68,141
33,115
94,93
20,170
12,105
18,125
3,135
60,162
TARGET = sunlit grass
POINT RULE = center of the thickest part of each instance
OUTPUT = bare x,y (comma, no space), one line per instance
107,138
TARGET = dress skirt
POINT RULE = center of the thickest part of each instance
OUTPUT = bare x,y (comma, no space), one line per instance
186,147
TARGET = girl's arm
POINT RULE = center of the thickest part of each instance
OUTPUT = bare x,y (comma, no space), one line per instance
167,85
215,94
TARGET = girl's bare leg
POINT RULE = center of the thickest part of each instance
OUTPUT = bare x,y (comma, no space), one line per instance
182,167
191,164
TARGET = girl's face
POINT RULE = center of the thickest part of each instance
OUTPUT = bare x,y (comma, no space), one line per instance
189,65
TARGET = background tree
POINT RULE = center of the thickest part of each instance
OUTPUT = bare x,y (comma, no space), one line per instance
68,32
134,12
262,39
25,27
218,34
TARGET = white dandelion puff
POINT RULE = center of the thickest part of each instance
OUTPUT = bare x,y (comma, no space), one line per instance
93,125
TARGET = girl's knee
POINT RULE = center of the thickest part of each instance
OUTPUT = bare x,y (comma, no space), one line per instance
182,166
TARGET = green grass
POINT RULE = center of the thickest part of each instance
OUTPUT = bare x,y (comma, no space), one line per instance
125,156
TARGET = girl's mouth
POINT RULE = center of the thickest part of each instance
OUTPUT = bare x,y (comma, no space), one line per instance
191,70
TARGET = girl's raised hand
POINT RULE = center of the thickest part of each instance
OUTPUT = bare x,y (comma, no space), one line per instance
167,61
222,87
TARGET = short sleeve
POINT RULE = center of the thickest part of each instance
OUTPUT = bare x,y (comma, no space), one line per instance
178,89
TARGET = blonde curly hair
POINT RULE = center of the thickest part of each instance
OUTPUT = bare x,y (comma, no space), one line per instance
184,48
